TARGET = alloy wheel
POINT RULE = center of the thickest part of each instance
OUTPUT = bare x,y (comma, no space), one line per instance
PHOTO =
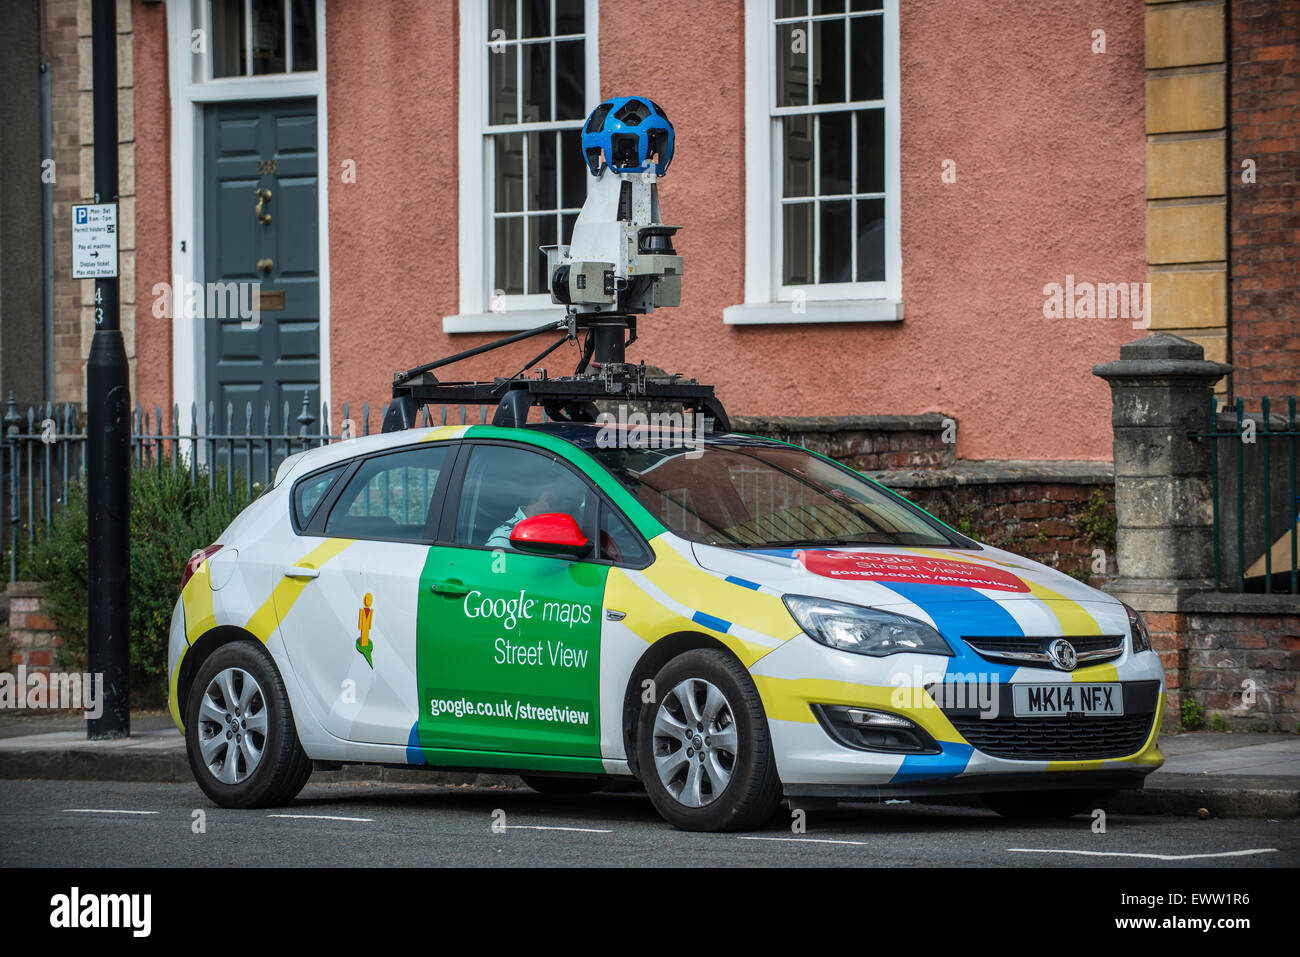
232,725
695,742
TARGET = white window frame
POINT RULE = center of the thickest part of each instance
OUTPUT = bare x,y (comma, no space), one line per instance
767,299
203,11
477,312
190,89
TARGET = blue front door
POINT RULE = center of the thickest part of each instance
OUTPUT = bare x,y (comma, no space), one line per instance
261,226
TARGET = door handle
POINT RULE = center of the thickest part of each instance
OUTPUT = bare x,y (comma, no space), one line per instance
450,587
301,571
263,196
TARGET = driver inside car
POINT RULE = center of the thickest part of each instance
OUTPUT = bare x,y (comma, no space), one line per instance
549,499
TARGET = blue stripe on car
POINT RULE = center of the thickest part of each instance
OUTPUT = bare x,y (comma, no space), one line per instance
950,763
708,621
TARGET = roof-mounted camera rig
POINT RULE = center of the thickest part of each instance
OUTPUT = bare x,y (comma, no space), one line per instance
620,263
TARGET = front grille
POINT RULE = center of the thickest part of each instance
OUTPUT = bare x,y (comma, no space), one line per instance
1061,738
1105,647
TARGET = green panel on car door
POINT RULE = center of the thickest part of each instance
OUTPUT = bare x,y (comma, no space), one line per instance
508,658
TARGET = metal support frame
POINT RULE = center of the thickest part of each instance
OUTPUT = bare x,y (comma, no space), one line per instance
566,398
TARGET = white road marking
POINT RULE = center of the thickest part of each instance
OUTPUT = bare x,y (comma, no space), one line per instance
1157,857
547,827
806,840
101,810
324,817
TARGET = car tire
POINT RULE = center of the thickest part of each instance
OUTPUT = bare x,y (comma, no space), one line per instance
698,783
239,731
561,786
1040,805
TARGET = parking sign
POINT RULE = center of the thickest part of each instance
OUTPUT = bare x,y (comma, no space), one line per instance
94,241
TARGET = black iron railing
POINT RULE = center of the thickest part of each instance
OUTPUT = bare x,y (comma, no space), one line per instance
1254,497
43,452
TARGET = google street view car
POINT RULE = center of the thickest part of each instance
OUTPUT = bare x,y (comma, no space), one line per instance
729,620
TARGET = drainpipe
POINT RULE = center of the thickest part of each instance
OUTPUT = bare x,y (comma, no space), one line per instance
47,230
1227,191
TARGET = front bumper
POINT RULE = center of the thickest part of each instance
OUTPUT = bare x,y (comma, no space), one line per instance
988,756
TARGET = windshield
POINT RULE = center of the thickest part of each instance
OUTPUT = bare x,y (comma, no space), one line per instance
742,495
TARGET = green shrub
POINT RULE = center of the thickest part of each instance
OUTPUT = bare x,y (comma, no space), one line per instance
1193,715
170,518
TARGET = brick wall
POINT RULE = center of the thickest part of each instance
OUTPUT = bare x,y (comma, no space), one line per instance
1240,659
67,40
864,442
32,639
1265,127
1056,513
61,52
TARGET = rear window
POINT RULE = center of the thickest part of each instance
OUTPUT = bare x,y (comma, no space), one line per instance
390,496
308,493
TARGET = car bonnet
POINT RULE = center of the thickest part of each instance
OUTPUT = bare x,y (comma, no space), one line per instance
986,591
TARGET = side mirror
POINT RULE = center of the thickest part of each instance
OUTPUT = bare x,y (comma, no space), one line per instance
553,533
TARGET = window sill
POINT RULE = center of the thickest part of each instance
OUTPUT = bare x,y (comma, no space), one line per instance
516,320
832,310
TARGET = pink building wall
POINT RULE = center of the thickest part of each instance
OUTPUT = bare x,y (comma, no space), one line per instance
1048,140
152,119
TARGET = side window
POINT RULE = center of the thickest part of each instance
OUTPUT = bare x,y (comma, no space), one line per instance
389,496
618,543
309,492
503,485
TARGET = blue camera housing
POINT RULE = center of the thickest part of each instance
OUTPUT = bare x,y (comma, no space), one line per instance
626,133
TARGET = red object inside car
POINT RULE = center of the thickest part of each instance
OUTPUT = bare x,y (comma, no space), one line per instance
551,531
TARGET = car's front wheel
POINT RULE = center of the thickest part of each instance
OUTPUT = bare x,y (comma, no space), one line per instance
1040,805
703,748
239,730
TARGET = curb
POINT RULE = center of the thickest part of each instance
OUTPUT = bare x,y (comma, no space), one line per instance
1171,797
173,767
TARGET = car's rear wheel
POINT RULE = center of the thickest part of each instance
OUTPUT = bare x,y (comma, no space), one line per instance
1041,805
703,748
239,731
563,786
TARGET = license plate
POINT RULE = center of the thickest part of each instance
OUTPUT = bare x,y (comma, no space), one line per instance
1066,697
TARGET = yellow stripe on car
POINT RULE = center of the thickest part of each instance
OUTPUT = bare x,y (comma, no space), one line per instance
444,432
650,620
286,592
196,597
696,588
789,699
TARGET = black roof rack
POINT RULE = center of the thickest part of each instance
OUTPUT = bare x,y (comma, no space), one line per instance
564,399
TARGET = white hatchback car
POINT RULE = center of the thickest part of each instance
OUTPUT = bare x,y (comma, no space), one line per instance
729,623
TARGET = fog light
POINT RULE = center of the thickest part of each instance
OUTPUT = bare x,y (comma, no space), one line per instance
877,719
864,729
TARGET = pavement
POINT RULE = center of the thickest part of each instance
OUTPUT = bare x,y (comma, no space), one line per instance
1228,774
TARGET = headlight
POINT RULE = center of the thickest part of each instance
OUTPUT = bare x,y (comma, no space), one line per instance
864,631
1138,628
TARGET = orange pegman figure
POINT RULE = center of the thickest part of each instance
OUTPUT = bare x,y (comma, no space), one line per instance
365,617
